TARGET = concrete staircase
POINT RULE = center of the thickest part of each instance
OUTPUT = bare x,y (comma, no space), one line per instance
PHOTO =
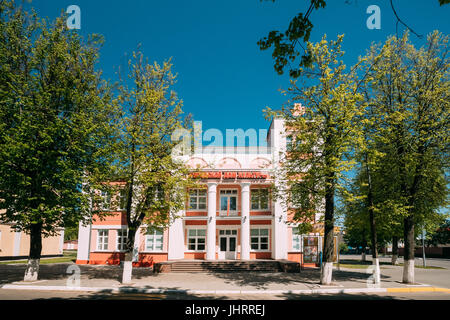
189,266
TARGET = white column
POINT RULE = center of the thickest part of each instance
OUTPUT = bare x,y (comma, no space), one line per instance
84,242
279,233
176,239
245,226
211,231
279,226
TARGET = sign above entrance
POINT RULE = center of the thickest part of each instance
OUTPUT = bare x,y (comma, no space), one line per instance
230,175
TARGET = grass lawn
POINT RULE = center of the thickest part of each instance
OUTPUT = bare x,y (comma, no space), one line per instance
68,256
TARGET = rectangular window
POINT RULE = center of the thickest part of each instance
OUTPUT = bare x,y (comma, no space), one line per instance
106,200
122,199
259,239
196,239
154,241
228,202
197,199
102,240
121,239
260,199
296,240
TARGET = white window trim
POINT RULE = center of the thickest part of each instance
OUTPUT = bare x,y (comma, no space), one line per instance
219,228
117,239
268,201
98,241
187,237
102,203
188,209
145,243
235,212
119,202
268,238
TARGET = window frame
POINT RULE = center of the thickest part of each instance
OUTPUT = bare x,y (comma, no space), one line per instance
122,200
259,236
258,190
105,204
154,236
124,238
233,213
196,237
102,237
197,197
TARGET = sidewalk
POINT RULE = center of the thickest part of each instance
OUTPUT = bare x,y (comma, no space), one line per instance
107,279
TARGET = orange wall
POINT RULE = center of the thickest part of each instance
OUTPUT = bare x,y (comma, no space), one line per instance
113,258
113,218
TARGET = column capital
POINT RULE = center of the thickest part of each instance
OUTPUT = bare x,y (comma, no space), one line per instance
245,186
212,186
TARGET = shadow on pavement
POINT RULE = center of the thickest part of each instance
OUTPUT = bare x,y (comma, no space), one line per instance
138,295
308,277
58,271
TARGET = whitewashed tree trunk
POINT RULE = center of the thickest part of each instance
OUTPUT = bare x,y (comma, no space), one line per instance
32,271
376,275
327,271
127,272
394,260
408,271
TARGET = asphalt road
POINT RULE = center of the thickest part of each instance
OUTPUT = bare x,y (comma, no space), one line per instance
434,277
6,294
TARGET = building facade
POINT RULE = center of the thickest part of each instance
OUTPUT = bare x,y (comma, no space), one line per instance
16,245
231,216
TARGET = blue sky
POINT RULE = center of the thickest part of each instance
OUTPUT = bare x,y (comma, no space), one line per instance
224,79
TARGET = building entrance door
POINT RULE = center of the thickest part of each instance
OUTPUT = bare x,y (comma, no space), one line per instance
227,244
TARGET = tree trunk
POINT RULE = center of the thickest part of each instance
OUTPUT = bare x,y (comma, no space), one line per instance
364,246
328,246
394,250
128,260
32,270
373,227
375,260
408,266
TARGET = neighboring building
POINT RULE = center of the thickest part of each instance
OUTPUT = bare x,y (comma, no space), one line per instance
16,245
231,217
71,245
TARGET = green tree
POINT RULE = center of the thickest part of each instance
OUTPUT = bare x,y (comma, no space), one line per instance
54,124
441,235
153,182
289,45
325,133
356,225
409,98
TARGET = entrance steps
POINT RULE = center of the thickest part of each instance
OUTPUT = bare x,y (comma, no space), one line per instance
189,266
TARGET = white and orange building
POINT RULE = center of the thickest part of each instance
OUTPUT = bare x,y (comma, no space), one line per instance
231,217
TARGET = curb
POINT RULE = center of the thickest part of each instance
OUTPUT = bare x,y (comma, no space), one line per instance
222,292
